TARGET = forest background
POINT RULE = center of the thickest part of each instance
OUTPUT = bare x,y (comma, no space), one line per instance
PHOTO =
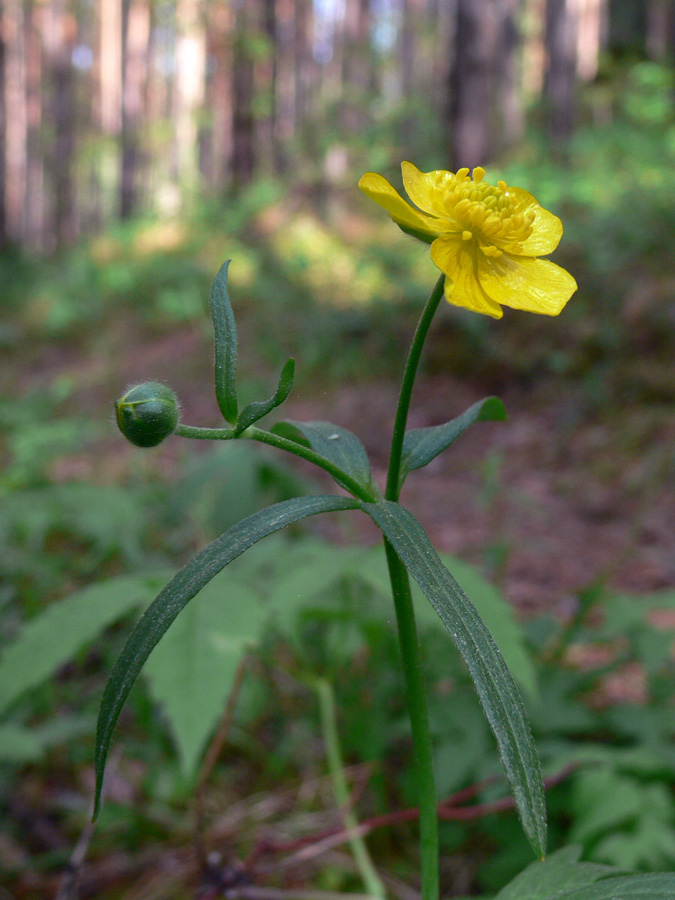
142,143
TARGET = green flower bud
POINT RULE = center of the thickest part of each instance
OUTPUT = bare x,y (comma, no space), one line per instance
147,413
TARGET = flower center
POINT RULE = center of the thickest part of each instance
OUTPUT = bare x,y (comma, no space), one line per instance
480,210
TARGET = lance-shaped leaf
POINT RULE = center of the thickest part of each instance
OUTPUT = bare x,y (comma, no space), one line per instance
421,445
337,445
226,345
182,588
496,688
259,408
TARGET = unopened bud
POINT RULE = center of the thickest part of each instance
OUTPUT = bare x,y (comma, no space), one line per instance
147,413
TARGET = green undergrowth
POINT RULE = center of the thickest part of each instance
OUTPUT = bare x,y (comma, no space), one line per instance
80,561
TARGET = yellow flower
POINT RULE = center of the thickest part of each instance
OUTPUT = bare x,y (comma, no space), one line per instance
485,239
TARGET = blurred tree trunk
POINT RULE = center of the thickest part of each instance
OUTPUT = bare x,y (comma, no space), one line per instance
135,44
508,82
110,66
243,135
305,81
660,37
591,35
285,83
357,65
265,68
15,118
59,40
188,96
108,106
3,132
219,98
475,48
34,199
560,76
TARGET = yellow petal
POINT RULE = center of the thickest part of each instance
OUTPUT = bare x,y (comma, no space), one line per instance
378,189
459,261
426,189
533,285
547,228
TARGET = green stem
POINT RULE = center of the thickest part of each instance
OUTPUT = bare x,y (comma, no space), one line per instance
405,618
282,443
371,880
407,384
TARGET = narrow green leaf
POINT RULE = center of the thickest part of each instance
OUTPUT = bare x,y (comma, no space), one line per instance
496,688
53,637
421,445
182,588
225,330
335,444
256,410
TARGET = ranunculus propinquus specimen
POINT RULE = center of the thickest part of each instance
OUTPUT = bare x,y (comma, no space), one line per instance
486,239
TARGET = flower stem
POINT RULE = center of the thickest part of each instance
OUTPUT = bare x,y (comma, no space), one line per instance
407,384
405,618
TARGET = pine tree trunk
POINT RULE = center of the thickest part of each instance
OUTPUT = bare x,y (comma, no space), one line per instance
60,34
34,196
3,133
136,38
220,39
475,46
15,119
188,95
243,137
509,107
560,78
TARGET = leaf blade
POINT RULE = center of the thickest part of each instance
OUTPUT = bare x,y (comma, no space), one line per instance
259,408
496,689
78,619
182,587
421,445
225,329
338,445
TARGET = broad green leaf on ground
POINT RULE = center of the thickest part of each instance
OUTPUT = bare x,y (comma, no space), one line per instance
182,588
496,689
658,886
225,330
421,445
563,877
491,605
53,637
337,445
191,671
260,408
20,744
561,872
629,820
